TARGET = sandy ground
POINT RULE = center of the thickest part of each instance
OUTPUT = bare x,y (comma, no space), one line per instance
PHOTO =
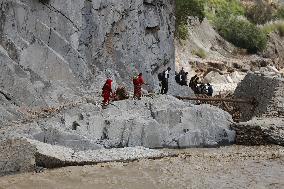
228,167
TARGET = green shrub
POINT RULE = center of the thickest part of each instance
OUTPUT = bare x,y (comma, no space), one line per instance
184,9
274,27
200,53
182,32
260,13
281,30
242,33
225,15
223,8
280,13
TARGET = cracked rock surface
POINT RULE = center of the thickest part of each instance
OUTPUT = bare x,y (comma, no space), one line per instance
157,122
57,51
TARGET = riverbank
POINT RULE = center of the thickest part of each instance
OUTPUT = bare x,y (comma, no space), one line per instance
226,167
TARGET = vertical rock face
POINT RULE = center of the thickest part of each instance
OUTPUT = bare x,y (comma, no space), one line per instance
53,50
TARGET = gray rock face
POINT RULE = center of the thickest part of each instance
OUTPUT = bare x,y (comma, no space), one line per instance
154,123
268,92
56,51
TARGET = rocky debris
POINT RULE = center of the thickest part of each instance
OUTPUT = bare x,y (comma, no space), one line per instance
17,156
260,131
268,93
224,82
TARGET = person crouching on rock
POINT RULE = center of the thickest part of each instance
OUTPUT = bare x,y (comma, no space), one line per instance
107,92
138,82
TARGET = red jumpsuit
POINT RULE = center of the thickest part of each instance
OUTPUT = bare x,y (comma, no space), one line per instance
138,86
107,91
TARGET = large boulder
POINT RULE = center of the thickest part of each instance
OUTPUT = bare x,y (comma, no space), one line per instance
268,93
20,155
157,122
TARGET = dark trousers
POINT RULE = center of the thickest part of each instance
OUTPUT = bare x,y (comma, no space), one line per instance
165,87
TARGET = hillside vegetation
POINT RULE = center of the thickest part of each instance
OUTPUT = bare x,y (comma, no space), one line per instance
238,22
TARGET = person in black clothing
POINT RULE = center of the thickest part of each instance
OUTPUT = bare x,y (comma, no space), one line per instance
177,77
182,72
184,79
202,89
193,83
165,81
209,89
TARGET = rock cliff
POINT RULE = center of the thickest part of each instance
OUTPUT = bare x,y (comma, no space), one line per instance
53,51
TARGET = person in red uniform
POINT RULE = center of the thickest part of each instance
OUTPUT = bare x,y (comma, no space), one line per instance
138,82
107,92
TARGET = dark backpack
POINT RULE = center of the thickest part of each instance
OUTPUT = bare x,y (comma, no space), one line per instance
161,76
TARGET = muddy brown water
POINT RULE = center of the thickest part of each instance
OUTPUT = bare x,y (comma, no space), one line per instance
228,167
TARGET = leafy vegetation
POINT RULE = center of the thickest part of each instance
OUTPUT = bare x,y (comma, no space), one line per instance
182,31
222,8
242,33
280,12
185,8
229,18
274,27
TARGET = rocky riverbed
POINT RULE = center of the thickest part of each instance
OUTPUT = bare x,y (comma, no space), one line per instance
227,167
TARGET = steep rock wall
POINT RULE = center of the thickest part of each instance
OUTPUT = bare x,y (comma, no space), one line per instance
53,51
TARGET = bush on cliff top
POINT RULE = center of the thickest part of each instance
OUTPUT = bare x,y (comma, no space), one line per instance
222,8
228,18
185,8
242,33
